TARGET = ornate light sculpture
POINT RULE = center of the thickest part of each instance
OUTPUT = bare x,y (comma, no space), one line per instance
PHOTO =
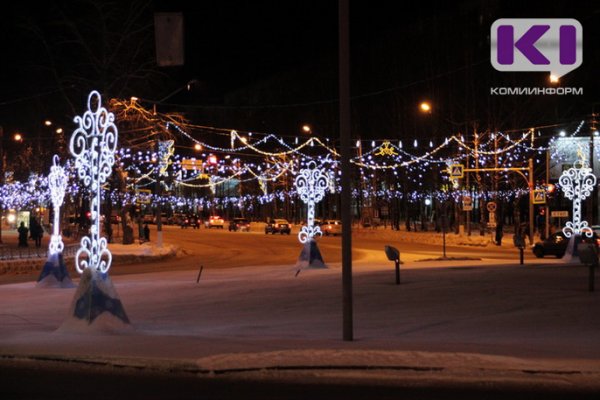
577,183
311,184
93,145
57,183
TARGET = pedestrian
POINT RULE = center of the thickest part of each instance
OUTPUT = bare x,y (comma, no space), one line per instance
146,233
23,232
37,232
499,234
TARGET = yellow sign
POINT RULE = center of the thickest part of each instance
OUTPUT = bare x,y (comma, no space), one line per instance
539,196
457,170
191,164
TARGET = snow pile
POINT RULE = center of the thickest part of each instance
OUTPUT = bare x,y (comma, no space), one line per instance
147,249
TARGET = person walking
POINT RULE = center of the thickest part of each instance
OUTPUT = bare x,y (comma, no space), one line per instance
146,233
23,232
499,233
37,232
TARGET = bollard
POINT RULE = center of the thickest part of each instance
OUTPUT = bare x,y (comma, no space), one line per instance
588,254
199,273
393,254
521,254
519,242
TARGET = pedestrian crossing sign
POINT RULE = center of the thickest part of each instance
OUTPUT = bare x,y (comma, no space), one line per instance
539,196
457,170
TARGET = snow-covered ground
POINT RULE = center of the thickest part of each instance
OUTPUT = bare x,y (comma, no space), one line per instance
506,323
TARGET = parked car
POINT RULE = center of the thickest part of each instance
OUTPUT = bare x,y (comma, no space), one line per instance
215,222
278,226
556,244
239,224
331,227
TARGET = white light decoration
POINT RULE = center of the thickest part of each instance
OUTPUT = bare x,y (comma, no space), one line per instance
165,151
577,183
311,184
57,183
93,145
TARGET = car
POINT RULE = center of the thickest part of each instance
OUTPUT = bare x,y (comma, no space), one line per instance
278,226
331,227
239,224
556,244
215,222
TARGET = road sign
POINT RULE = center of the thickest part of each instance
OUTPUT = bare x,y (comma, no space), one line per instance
457,170
144,196
539,196
467,203
491,206
191,164
559,214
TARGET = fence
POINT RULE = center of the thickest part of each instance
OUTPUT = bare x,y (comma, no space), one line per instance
22,253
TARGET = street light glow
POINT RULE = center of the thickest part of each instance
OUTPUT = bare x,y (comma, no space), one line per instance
197,147
554,78
306,129
18,137
47,122
425,107
59,130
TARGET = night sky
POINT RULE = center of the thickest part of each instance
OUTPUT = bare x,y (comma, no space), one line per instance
232,45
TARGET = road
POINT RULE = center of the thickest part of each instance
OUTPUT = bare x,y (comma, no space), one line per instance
218,247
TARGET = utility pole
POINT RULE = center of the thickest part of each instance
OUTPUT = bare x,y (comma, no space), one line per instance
531,187
547,225
345,124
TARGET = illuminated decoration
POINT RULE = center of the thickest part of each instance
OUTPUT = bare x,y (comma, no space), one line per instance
262,182
386,150
165,152
577,183
93,145
57,183
54,273
311,184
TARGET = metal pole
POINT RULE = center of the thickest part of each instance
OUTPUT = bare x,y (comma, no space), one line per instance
547,225
344,82
158,190
531,201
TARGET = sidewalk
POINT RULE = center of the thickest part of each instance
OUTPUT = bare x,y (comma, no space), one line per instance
477,324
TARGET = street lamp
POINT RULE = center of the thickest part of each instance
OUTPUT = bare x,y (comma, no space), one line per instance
425,107
17,137
306,129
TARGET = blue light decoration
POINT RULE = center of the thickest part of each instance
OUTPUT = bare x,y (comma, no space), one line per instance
311,184
96,304
54,273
